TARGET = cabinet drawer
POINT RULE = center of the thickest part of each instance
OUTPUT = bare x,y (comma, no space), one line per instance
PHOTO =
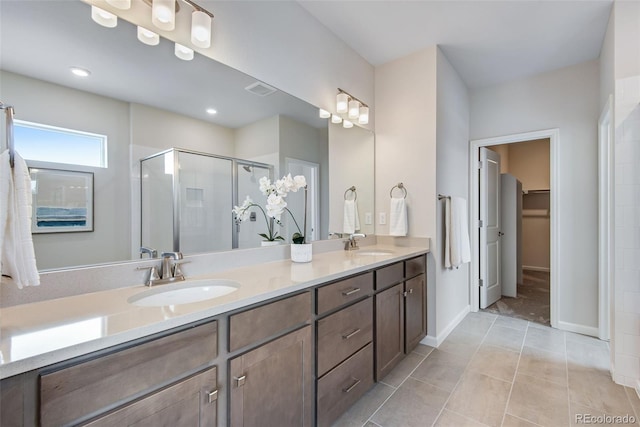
390,275
191,402
344,385
343,333
262,322
415,266
75,392
344,291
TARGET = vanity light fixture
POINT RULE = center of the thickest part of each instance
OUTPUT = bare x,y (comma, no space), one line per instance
347,124
163,14
80,72
356,109
324,114
201,28
183,52
336,119
363,118
104,18
342,102
120,4
147,36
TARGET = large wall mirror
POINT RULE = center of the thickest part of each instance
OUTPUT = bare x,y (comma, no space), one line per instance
146,101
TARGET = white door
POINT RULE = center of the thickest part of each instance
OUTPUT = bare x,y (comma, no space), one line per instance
490,254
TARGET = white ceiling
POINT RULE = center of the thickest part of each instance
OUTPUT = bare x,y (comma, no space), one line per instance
487,42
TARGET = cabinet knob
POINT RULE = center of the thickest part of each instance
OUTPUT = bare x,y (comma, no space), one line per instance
240,380
411,290
352,334
212,396
350,292
352,386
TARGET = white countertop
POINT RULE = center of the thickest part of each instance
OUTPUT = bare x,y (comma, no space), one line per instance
42,333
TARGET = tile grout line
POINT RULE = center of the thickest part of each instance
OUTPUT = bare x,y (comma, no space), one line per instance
424,357
515,374
464,372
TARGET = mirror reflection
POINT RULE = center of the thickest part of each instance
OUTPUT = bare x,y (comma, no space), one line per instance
145,101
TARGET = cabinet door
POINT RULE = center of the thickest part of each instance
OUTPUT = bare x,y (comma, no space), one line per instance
389,329
415,311
273,384
191,402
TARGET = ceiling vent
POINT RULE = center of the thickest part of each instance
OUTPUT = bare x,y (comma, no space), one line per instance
260,89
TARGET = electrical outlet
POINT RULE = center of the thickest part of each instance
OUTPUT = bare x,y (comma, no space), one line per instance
382,220
368,218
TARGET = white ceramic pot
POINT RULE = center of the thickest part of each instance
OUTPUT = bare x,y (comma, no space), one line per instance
270,242
301,253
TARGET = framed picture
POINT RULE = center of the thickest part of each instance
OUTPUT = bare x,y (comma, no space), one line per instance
62,201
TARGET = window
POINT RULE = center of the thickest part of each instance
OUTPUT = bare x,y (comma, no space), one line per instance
58,145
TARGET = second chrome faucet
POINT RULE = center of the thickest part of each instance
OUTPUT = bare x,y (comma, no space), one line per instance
170,269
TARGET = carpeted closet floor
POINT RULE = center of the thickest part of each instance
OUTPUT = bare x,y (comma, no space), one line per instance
532,302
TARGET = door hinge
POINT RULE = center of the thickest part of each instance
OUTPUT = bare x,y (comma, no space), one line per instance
480,283
480,223
479,164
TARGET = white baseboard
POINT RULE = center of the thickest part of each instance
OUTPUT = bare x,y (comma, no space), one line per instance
534,268
436,341
592,331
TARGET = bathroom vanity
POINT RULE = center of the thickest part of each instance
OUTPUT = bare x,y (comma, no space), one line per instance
295,345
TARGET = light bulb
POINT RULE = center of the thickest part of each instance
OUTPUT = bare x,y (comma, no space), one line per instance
363,119
183,52
163,14
80,72
148,37
336,119
212,111
200,29
354,109
347,124
342,102
120,4
324,114
104,18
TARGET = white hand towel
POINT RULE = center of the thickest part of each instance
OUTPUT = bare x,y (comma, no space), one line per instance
398,217
457,249
17,257
351,221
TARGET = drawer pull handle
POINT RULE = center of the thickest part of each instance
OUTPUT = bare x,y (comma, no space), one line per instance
351,335
350,292
240,381
212,396
352,386
411,290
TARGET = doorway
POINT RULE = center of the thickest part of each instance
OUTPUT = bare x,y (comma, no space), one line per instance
524,231
543,205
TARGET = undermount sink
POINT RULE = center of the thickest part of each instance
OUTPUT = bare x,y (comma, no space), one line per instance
373,252
184,292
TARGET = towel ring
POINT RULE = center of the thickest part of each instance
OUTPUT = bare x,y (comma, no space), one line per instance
399,186
353,190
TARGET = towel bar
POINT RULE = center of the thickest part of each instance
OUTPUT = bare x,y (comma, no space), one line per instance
399,186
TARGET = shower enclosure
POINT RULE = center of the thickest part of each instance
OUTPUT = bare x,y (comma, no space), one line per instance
187,200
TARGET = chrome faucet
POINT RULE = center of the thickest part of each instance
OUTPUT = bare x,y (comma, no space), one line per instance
150,251
170,271
351,244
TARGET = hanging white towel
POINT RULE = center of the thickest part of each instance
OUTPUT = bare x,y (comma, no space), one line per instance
17,257
457,249
351,222
398,217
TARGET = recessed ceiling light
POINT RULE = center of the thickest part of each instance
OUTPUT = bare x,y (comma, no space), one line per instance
212,111
80,72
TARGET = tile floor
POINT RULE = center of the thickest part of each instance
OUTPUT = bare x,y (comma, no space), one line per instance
498,371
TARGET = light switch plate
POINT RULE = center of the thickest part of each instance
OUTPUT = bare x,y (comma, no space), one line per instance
382,220
368,218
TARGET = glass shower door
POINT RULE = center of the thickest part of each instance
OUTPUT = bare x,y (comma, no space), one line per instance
157,202
248,176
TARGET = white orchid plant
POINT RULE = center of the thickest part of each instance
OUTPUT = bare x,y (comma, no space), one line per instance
276,206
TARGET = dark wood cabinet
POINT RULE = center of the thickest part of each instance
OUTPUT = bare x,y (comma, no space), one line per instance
389,329
415,305
401,313
272,385
189,403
